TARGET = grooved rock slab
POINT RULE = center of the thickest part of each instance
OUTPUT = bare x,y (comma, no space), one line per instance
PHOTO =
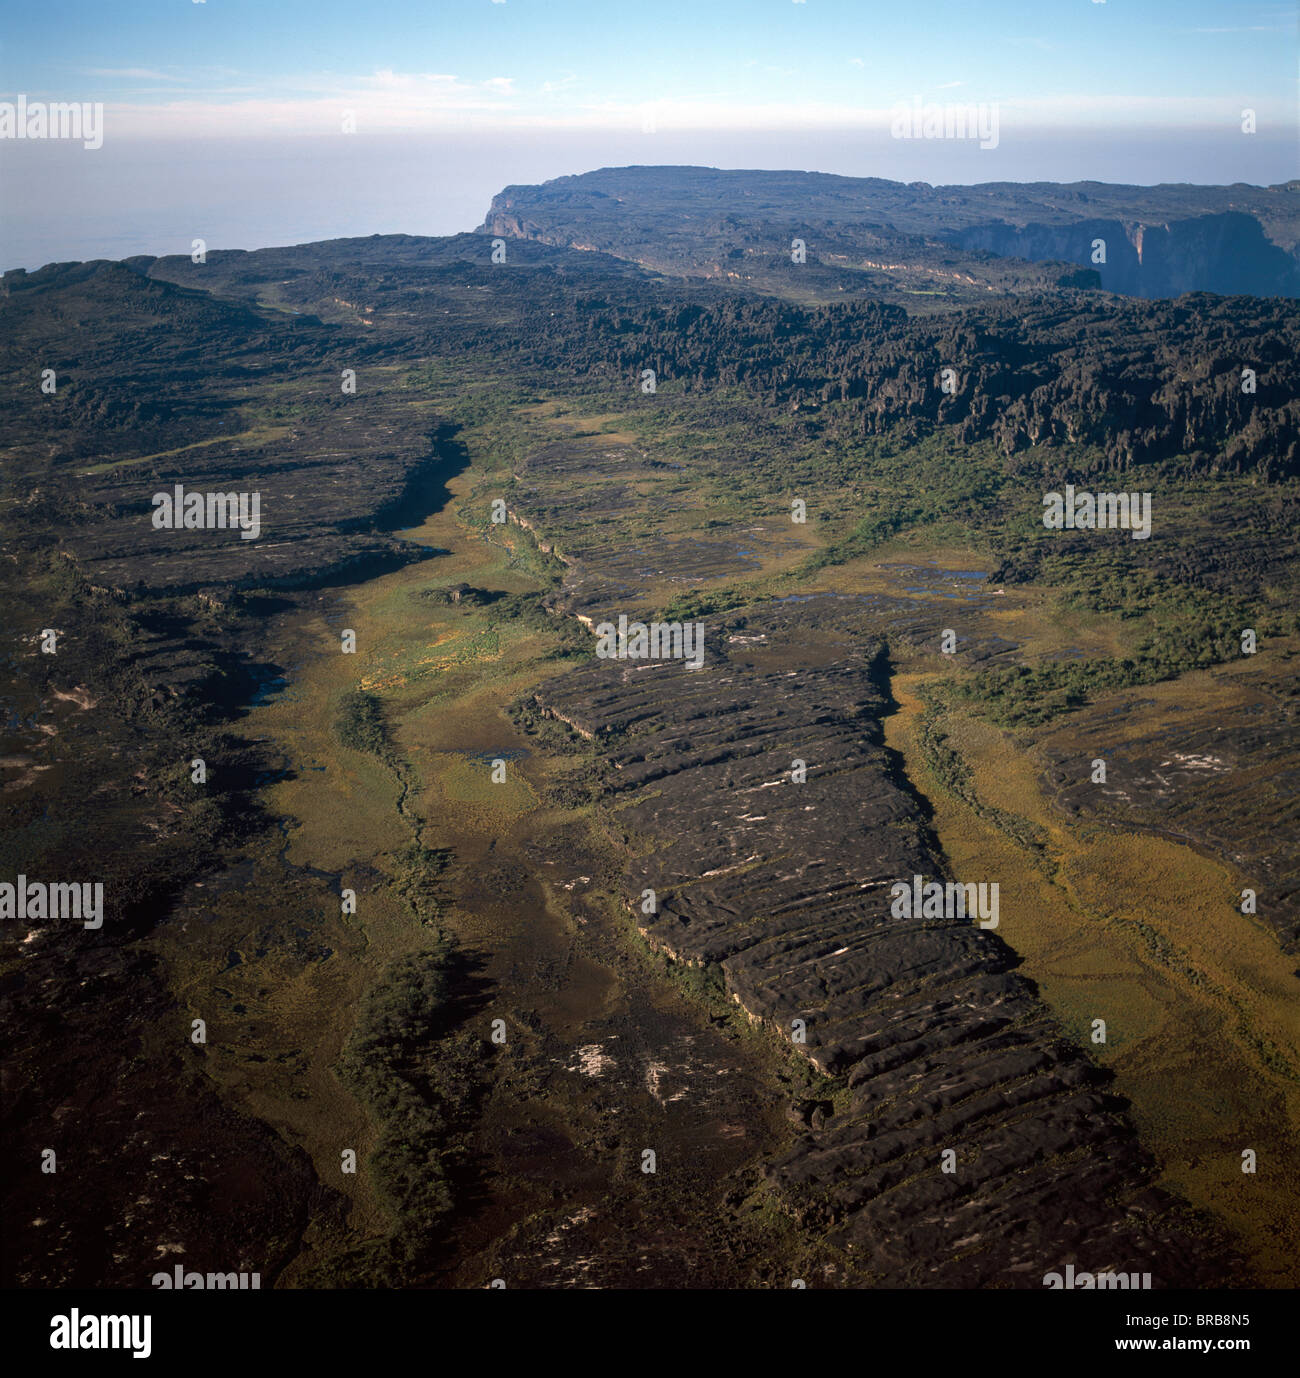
937,1042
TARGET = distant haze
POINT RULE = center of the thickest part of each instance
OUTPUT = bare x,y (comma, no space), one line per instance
136,195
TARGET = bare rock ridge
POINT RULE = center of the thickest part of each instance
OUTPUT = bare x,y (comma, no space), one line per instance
936,1043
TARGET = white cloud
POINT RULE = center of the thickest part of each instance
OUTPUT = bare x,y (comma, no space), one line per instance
137,73
386,101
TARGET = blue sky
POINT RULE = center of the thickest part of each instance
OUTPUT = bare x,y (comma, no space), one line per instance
289,64
225,120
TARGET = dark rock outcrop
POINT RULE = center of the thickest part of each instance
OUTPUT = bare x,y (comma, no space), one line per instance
936,1042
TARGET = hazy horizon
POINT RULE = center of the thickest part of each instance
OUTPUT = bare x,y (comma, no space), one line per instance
154,197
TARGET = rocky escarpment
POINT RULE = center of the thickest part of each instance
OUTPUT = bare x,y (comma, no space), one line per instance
935,1042
1227,253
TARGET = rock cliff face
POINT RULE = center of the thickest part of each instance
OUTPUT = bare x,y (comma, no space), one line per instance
1226,253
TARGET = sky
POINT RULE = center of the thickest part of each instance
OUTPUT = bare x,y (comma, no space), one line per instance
253,122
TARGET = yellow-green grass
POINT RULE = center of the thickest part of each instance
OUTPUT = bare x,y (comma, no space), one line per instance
1199,1000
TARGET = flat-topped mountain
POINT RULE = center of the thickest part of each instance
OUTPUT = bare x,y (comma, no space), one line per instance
873,236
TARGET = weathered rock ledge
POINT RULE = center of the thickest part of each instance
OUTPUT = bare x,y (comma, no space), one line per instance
937,1043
